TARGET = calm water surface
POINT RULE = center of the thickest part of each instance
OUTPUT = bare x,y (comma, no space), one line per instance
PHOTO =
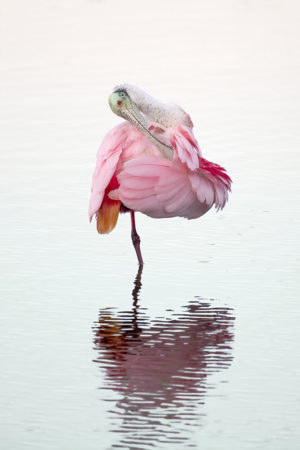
200,350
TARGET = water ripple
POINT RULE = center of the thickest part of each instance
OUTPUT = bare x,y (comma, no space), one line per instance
158,368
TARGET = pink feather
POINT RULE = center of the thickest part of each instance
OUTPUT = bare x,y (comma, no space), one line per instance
188,186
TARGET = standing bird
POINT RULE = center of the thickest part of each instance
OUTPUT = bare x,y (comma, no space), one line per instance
152,163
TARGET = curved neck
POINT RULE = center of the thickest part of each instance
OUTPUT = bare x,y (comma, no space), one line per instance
165,114
148,105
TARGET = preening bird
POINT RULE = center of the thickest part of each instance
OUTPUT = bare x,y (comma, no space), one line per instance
152,163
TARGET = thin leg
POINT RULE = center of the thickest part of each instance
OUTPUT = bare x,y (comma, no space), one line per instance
136,239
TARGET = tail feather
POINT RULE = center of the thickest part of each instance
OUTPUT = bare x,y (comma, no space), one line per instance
108,213
107,216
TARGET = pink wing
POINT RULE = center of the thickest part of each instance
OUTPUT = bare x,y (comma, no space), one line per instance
209,181
107,160
188,186
186,147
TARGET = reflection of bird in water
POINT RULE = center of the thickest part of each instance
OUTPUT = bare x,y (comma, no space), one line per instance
152,163
113,333
160,367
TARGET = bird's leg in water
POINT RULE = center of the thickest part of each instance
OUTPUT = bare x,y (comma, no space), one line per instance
136,239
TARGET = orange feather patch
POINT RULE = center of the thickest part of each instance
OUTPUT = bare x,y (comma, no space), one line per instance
108,213
107,217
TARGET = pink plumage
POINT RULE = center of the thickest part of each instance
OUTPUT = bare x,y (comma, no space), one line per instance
157,163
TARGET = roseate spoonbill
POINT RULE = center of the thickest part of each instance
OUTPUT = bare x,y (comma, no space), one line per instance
152,164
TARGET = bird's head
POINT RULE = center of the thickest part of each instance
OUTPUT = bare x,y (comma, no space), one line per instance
119,101
122,105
